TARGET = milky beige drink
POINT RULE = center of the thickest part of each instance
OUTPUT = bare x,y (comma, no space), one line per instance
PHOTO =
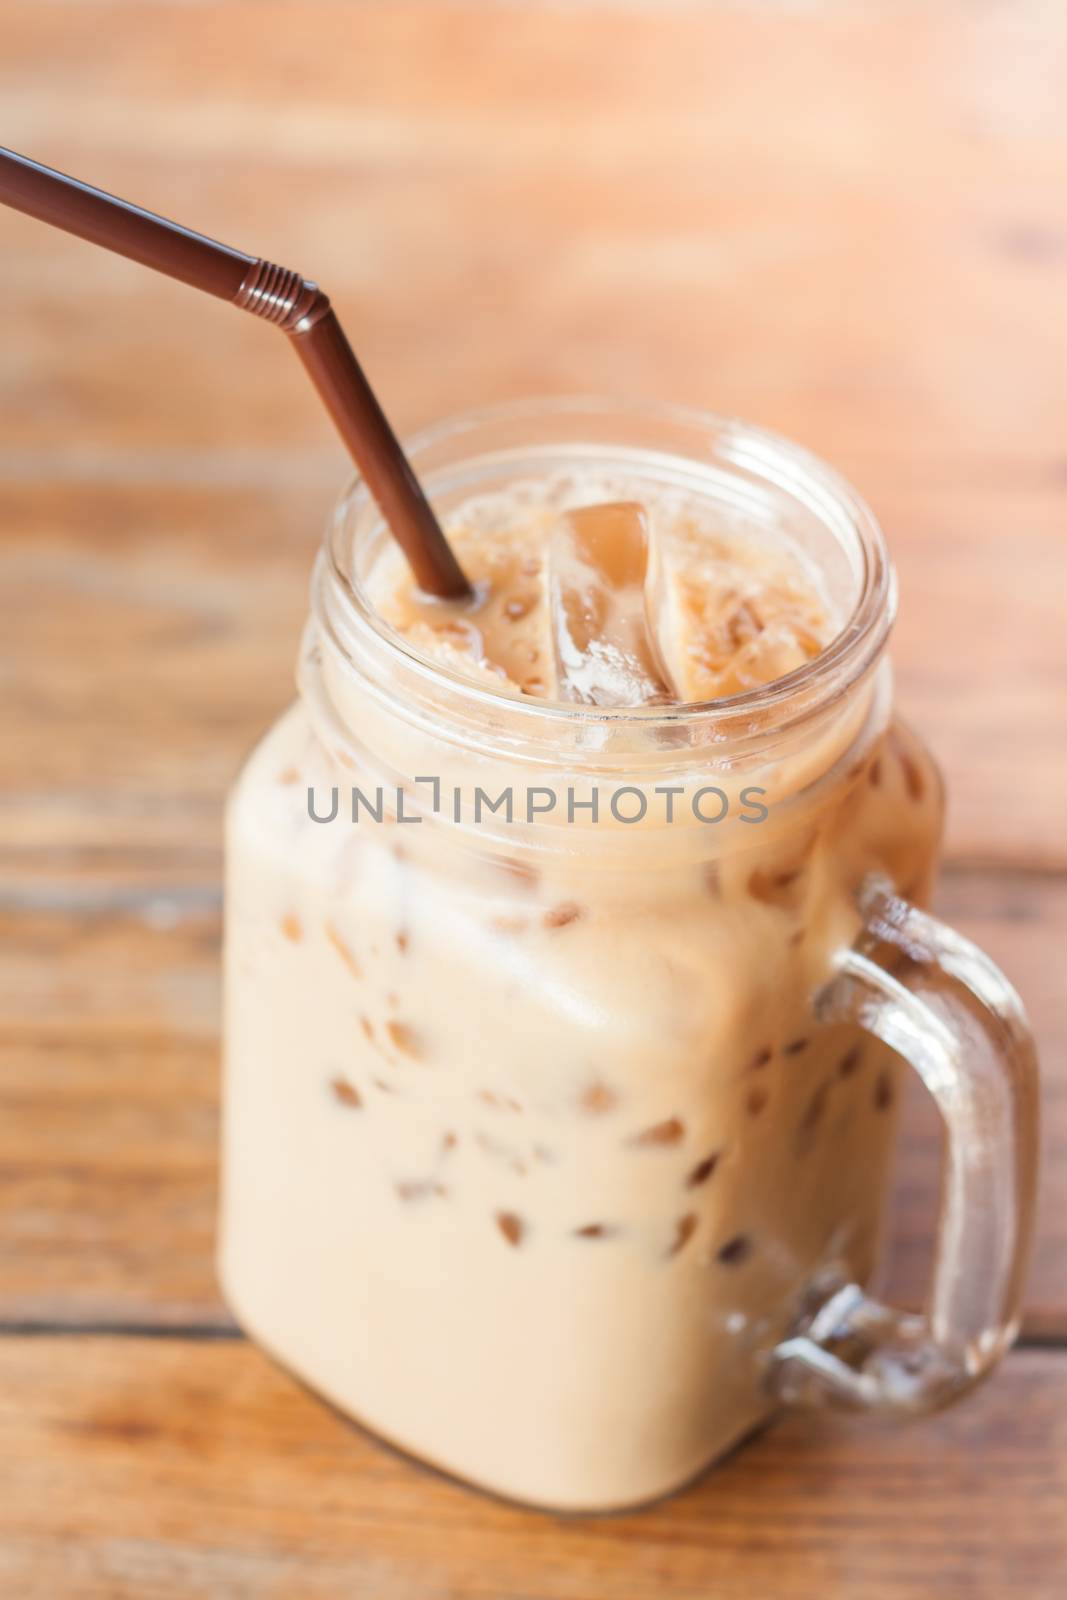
537,1141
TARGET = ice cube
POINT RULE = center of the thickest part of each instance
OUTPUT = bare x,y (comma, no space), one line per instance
514,620
597,561
730,613
458,645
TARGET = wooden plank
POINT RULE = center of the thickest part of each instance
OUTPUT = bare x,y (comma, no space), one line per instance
513,198
980,657
108,1092
151,628
164,469
1022,923
158,1469
501,200
109,1125
150,638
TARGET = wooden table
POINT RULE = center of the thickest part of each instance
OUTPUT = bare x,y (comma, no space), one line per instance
844,221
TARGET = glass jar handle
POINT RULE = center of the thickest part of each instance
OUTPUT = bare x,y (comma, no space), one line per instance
948,1010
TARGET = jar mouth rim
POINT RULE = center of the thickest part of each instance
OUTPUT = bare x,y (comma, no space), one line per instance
857,643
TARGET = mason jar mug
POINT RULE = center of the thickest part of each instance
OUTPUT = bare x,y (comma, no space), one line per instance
563,1044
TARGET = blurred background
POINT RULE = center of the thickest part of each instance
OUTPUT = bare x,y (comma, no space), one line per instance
841,219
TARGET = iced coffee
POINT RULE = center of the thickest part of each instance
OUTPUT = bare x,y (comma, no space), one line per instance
534,1145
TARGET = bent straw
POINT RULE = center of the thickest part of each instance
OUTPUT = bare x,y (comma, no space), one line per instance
278,295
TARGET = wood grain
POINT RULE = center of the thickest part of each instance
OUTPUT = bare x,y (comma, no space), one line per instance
109,1084
841,221
715,208
844,222
137,1470
109,1123
120,770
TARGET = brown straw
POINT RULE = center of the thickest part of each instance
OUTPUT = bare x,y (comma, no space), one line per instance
294,304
